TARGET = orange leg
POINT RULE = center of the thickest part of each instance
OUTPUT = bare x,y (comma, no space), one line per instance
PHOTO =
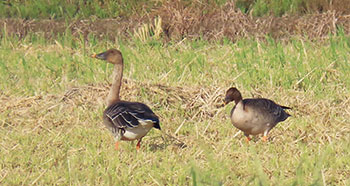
116,145
247,139
264,138
138,146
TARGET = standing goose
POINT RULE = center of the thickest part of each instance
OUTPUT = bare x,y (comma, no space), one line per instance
126,120
254,116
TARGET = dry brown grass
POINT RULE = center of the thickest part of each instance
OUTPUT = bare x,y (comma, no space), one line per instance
339,6
227,22
180,21
201,104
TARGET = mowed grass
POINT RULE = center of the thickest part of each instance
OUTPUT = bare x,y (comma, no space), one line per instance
52,98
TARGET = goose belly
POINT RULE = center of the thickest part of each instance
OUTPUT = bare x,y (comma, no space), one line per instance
249,122
138,132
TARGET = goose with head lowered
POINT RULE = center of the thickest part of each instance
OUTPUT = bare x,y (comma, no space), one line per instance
256,115
126,120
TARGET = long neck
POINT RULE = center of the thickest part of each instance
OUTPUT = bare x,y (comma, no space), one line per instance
113,95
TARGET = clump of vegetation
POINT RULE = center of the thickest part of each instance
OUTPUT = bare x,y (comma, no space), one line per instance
31,9
185,23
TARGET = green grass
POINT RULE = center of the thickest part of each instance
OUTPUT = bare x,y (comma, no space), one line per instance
55,9
52,98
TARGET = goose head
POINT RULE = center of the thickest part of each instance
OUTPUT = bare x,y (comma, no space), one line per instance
113,56
232,94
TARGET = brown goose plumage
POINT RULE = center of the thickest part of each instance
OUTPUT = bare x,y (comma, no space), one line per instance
126,120
254,116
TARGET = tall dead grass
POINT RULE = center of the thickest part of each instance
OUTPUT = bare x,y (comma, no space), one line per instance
228,22
179,21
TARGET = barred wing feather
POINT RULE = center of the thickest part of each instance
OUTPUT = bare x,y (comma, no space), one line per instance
130,114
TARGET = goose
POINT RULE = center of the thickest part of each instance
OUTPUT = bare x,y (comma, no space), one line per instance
256,115
127,121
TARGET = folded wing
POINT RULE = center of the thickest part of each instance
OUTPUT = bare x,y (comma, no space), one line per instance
130,114
269,108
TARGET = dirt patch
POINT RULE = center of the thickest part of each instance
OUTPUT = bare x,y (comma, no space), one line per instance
180,22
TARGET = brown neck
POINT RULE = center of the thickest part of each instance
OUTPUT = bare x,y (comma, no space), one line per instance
113,95
238,99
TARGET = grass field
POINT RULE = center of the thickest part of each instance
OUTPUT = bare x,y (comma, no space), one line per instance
52,97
